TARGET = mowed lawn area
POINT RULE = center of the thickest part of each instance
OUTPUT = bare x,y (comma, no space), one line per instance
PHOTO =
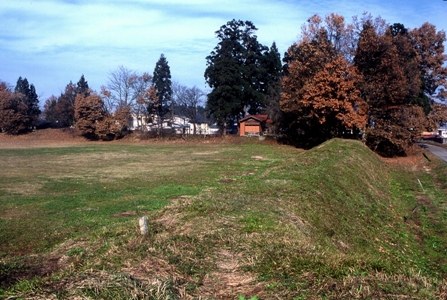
241,218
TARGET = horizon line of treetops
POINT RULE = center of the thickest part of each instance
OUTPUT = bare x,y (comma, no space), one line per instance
381,83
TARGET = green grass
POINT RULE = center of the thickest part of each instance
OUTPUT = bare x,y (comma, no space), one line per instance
247,219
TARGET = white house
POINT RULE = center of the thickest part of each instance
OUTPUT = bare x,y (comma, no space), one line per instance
141,122
181,125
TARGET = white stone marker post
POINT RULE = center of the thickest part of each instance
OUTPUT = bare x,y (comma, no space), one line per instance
143,225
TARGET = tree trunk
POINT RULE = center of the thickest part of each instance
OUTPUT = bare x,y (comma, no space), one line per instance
224,129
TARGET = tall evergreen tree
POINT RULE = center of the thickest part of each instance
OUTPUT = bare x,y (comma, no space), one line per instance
82,87
163,85
273,88
29,97
273,64
22,86
237,71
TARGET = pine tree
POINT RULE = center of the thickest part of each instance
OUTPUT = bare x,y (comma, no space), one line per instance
29,97
273,88
33,105
82,87
22,86
273,64
163,85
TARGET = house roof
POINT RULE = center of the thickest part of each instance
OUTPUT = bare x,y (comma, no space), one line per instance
259,118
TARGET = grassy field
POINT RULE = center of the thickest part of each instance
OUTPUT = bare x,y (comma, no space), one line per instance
247,220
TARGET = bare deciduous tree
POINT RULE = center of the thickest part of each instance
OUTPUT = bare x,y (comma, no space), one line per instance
125,87
189,100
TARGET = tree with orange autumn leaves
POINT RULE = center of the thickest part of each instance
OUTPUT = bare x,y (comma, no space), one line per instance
94,122
320,97
13,112
367,78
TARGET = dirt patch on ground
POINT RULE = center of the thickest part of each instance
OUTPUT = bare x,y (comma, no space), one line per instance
28,269
69,254
227,180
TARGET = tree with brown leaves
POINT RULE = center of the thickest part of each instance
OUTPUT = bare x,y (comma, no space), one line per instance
89,112
320,97
437,116
113,126
390,85
333,99
93,121
13,112
429,45
61,110
402,73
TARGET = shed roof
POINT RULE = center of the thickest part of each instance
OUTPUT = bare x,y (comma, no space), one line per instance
259,118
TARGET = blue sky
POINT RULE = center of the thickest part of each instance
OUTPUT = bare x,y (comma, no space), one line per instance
51,42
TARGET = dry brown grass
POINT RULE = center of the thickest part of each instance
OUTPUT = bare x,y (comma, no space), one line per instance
41,138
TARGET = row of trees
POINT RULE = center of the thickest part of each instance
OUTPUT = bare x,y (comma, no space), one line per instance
103,115
106,115
61,110
367,79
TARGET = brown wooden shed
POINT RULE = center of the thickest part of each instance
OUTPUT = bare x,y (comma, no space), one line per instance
253,125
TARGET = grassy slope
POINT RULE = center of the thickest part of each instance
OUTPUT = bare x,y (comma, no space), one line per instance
248,219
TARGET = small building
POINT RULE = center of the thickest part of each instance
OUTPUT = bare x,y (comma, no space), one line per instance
253,125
